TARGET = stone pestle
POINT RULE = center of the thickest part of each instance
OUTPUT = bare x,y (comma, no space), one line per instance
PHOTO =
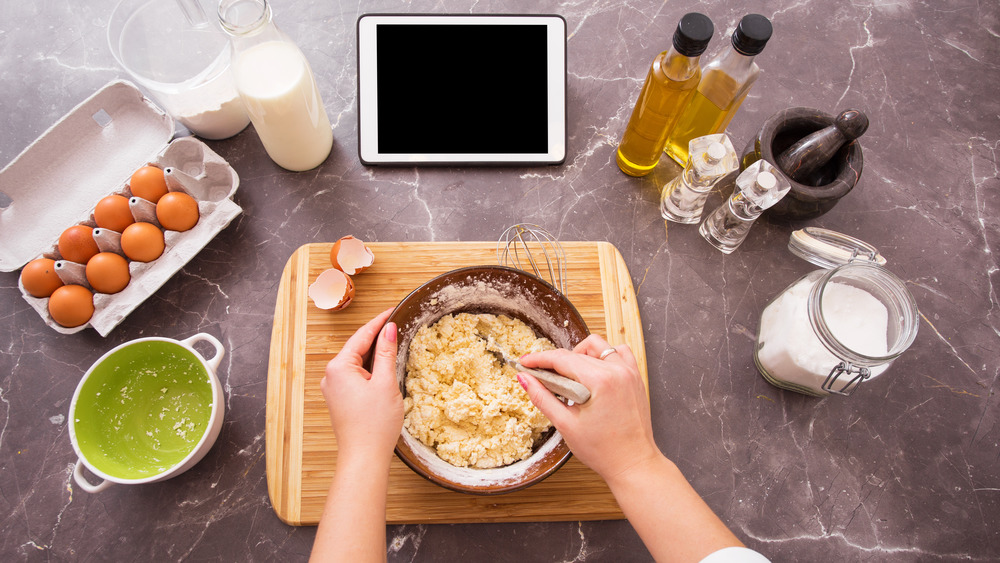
801,160
818,152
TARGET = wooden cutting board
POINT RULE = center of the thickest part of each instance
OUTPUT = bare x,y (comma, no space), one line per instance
301,449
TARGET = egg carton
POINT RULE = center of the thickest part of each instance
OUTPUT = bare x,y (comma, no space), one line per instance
91,153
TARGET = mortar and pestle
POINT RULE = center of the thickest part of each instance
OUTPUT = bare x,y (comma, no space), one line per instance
818,153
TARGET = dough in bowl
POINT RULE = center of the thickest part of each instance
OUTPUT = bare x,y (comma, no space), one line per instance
462,401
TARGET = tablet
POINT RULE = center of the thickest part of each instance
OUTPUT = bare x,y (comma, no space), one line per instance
461,89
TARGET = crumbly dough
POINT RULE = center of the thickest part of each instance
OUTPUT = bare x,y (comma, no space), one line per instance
462,401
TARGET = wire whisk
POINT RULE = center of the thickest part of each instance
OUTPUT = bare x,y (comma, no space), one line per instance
531,248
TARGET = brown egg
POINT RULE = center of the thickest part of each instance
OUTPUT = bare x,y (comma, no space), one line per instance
108,272
39,277
142,242
112,213
71,305
77,244
148,183
177,211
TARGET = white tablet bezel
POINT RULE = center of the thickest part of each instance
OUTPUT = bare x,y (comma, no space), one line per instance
368,90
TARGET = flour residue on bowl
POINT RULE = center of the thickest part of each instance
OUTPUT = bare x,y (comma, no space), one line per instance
462,400
471,477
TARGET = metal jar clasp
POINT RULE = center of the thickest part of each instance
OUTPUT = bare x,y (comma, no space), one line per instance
860,374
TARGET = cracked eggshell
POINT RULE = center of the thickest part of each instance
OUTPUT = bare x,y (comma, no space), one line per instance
332,290
351,256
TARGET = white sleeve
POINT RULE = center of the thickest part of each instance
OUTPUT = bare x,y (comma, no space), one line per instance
735,555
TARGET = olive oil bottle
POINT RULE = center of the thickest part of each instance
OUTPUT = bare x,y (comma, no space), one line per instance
724,85
671,81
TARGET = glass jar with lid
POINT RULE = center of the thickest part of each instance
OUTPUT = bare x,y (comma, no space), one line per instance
837,326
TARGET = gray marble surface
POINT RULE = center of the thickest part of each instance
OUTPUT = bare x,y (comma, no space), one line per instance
904,470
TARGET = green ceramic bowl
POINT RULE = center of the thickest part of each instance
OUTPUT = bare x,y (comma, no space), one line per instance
148,410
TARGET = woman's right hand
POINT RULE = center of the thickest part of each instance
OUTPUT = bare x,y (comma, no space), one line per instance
612,432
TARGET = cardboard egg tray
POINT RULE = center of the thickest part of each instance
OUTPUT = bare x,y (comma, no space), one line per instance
91,153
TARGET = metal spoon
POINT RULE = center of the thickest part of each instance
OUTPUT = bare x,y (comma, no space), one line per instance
558,384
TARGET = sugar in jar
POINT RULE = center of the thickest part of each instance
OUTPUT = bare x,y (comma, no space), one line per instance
835,327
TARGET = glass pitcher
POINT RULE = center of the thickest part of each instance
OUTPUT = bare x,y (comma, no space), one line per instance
178,54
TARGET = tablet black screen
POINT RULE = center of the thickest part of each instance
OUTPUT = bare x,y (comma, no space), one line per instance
462,89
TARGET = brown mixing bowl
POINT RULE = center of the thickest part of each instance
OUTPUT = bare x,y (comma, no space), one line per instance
496,290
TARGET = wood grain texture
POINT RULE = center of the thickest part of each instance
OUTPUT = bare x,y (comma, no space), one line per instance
301,449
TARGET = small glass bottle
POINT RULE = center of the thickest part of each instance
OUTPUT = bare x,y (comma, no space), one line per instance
277,87
669,85
758,187
712,158
724,85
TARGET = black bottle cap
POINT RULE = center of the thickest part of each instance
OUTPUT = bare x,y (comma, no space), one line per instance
752,34
693,34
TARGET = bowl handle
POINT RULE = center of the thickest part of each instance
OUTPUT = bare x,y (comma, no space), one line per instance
84,484
219,350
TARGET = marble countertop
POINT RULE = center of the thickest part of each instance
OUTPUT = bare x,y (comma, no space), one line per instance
906,469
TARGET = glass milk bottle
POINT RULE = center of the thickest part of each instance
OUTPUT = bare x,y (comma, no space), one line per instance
277,87
838,326
712,158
